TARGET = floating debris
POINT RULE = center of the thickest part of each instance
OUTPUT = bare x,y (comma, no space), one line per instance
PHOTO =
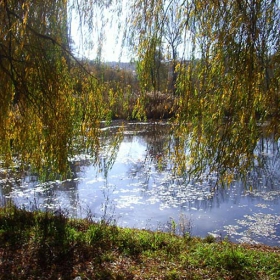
261,205
255,227
128,201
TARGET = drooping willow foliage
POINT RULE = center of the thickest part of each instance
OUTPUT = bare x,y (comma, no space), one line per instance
48,98
233,88
224,64
227,76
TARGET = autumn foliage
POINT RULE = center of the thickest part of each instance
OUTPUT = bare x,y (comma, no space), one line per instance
213,65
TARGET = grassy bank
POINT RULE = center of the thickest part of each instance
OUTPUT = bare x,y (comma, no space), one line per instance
46,246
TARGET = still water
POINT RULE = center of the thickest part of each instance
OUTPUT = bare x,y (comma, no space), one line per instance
134,185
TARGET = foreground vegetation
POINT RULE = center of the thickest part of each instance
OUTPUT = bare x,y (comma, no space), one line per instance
41,245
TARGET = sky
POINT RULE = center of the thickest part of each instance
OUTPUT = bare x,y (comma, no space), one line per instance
111,46
111,42
110,51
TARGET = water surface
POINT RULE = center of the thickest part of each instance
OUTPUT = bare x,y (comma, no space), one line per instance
135,186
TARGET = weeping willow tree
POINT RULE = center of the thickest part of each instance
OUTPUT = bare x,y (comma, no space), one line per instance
233,86
47,96
227,76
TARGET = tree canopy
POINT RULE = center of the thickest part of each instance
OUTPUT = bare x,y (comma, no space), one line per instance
223,57
46,92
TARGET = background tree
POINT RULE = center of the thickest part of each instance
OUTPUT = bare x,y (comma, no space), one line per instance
175,19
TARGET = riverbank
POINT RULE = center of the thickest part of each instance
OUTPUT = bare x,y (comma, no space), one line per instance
38,245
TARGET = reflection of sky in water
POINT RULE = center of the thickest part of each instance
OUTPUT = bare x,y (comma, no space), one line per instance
137,193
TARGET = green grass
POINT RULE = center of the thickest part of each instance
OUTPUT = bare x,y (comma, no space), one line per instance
41,245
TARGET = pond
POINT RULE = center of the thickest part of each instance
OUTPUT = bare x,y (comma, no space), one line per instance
134,185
